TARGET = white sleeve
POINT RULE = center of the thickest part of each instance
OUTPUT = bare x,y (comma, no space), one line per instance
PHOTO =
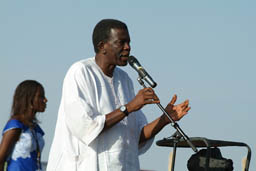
82,119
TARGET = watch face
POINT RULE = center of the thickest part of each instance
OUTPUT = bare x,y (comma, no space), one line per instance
123,108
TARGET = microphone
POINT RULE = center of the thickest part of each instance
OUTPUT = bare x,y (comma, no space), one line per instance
141,71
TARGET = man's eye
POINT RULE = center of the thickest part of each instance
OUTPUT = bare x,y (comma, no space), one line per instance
121,42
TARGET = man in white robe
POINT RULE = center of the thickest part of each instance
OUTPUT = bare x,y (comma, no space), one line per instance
100,126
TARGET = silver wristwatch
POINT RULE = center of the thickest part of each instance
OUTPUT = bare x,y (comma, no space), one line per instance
124,110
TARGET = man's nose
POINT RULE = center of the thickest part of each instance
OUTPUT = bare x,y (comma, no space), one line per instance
127,46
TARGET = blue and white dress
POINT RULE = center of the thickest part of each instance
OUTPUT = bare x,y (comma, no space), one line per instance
24,154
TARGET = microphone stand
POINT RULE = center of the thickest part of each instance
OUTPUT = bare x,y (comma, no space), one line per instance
179,133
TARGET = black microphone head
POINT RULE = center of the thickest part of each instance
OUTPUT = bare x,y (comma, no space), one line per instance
134,63
132,60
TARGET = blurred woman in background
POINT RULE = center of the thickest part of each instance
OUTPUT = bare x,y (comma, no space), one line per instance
22,140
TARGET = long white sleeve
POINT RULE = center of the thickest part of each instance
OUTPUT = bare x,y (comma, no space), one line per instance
83,121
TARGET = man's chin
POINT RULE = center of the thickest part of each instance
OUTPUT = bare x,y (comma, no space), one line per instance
123,63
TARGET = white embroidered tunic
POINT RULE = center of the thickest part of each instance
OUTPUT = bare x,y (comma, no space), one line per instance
79,143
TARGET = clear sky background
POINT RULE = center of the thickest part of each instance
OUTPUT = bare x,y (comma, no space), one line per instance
201,50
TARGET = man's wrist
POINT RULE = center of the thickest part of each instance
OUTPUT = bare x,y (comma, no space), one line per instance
123,109
166,119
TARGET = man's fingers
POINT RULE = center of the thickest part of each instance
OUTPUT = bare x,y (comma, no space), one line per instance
187,109
185,103
148,89
174,98
151,101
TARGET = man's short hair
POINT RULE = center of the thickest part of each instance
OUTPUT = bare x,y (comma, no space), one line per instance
101,31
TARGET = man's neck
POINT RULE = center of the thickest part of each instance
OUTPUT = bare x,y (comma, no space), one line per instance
107,69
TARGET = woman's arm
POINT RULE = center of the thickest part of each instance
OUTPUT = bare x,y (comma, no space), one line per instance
8,141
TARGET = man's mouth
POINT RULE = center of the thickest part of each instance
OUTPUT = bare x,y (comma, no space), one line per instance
125,56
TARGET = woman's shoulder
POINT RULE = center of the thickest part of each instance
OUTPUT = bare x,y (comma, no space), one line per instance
14,124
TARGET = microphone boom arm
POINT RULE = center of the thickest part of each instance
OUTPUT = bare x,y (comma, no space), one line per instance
173,123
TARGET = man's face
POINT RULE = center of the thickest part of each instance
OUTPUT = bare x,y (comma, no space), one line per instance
118,47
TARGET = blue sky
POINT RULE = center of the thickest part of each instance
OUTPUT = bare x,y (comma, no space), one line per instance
200,50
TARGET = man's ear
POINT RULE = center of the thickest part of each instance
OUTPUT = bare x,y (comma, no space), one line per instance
100,47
